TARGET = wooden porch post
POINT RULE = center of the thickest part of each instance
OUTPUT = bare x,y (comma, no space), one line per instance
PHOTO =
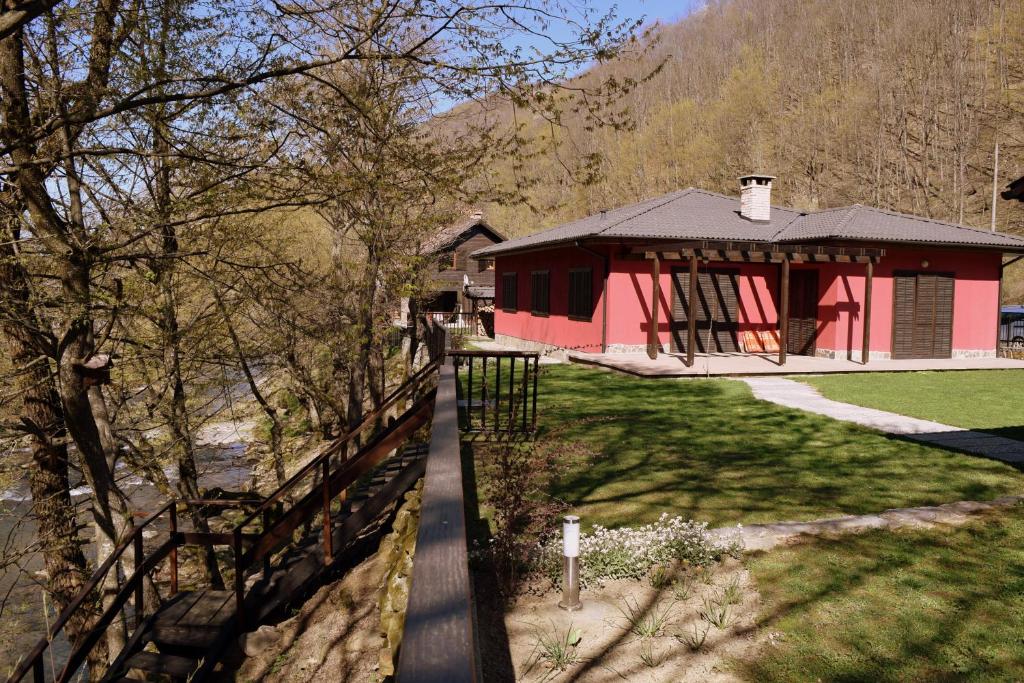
652,333
865,349
784,311
691,312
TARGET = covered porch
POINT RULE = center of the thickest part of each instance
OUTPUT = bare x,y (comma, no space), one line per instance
691,301
668,365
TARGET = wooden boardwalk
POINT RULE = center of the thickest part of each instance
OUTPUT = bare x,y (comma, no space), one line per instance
283,547
186,637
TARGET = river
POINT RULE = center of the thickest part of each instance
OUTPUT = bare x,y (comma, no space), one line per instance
23,620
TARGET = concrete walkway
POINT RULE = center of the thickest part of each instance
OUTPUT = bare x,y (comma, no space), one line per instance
792,394
767,536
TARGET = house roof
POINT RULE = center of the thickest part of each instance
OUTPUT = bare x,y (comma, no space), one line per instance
694,214
448,236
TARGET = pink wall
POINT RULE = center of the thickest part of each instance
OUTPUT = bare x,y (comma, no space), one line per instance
555,329
841,294
975,295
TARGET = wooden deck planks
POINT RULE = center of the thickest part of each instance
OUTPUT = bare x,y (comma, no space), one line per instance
202,609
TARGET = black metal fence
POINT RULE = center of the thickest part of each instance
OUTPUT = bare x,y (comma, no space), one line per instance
497,391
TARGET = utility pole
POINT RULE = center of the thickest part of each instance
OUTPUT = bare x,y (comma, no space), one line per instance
995,185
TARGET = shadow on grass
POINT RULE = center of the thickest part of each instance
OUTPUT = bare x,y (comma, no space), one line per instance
708,450
923,605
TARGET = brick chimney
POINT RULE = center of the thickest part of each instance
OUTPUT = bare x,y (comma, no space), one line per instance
756,197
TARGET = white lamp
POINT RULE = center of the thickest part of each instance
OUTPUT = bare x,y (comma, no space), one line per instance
571,567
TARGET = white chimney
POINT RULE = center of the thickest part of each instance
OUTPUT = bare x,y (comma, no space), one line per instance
756,197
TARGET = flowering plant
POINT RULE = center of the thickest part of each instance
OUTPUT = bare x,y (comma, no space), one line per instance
629,553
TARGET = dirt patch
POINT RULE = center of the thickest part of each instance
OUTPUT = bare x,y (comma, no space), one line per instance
673,618
335,637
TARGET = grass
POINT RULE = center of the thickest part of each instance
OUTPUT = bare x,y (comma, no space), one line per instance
922,605
986,400
707,450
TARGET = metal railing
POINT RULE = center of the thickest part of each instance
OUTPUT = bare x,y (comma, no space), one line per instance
309,492
497,391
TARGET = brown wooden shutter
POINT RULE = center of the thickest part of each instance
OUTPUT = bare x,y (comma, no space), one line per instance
726,326
923,315
943,345
540,293
717,310
903,316
581,293
509,299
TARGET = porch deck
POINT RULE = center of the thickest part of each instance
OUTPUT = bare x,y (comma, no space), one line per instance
741,364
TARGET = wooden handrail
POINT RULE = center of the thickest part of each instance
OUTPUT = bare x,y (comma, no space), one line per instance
439,642
81,650
335,446
86,591
347,474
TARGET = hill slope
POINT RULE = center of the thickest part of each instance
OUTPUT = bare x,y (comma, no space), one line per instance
893,103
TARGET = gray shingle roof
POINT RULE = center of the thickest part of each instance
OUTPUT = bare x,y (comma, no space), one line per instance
694,214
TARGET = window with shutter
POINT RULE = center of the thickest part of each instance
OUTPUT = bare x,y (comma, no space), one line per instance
509,301
581,294
540,292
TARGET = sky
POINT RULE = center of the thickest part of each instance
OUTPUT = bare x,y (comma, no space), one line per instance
664,10
652,11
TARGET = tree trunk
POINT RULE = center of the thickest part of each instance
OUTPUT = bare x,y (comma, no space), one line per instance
52,508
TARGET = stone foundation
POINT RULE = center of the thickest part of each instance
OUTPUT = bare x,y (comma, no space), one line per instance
854,355
885,355
634,348
974,353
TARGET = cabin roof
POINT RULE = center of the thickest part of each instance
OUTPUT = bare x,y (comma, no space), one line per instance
448,236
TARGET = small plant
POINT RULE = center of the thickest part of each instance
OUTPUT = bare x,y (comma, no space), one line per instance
716,613
731,594
682,588
558,650
645,623
647,655
661,578
706,573
695,640
279,663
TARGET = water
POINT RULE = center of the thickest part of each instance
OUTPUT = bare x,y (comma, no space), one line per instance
23,620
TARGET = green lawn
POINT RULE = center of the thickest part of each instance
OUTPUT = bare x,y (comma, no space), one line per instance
707,450
924,605
987,400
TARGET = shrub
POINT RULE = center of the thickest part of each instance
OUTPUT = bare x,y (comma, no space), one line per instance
629,553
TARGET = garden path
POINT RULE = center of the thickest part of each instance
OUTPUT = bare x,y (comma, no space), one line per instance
786,392
767,536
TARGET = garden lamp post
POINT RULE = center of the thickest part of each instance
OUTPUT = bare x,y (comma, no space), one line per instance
571,559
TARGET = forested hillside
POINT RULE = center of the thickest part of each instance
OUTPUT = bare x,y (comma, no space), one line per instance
893,103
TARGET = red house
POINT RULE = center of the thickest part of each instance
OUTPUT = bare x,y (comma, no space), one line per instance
699,272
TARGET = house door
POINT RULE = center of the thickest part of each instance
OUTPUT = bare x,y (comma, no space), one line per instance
717,306
922,324
803,312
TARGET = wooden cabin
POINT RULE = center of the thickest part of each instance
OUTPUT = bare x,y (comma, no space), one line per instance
462,283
